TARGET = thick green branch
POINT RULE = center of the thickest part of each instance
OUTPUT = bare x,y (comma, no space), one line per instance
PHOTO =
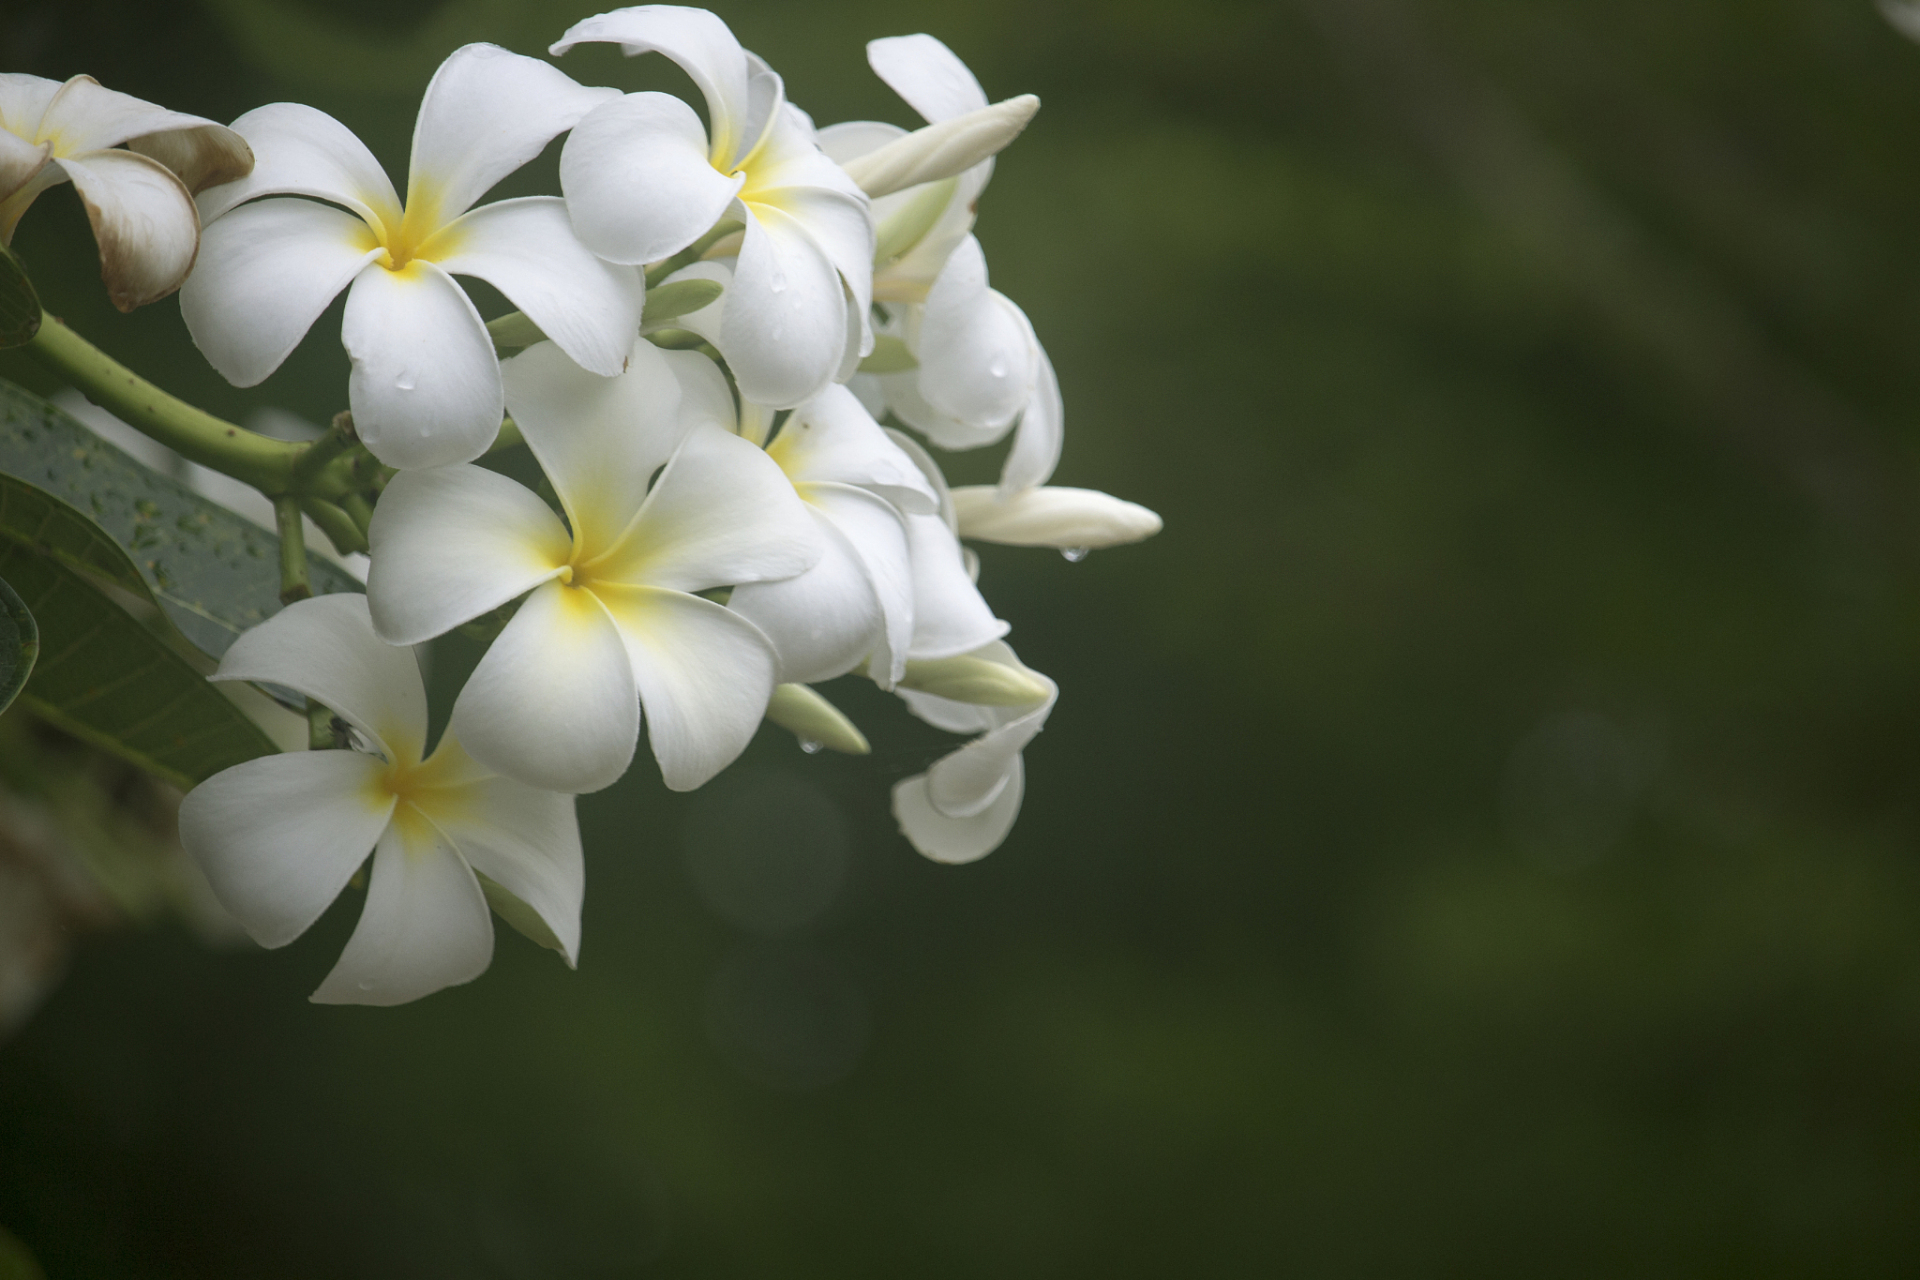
294,584
261,461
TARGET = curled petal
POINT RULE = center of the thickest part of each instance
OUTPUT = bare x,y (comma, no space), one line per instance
425,389
20,161
638,183
425,925
1042,430
964,782
523,839
902,392
598,439
878,534
705,396
325,648
785,328
450,543
949,614
527,250
279,837
721,514
201,156
301,151
975,348
265,273
945,838
486,112
704,674
23,101
822,622
703,47
1051,516
552,703
927,74
143,219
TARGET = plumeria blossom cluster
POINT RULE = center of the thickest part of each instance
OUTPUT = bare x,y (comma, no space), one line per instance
733,335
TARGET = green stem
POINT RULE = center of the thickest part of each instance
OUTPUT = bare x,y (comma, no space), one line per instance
293,549
319,727
317,456
691,254
265,463
357,506
337,523
509,436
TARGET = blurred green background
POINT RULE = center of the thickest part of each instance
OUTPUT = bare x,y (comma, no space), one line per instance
1481,836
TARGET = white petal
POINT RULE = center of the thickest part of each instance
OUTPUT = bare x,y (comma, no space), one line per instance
927,74
523,839
966,781
425,388
298,150
526,249
143,219
833,438
695,39
598,439
201,156
907,404
20,161
638,183
790,173
975,349
785,327
949,614
449,544
944,838
721,514
878,533
24,100
1052,516
486,112
708,320
704,673
265,273
425,925
850,139
552,702
325,648
964,144
944,713
1042,429
279,837
705,397
823,622
930,472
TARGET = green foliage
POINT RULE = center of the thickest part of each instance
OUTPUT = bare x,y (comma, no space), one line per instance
19,644
213,573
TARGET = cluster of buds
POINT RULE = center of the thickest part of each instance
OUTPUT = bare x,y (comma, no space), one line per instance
716,323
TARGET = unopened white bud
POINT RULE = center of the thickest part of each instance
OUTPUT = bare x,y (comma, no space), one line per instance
1051,516
944,149
980,681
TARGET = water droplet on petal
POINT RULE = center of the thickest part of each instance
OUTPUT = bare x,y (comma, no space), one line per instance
997,366
778,282
809,746
404,382
1074,555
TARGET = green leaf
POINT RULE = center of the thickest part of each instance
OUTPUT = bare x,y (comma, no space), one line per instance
19,644
214,573
107,679
19,304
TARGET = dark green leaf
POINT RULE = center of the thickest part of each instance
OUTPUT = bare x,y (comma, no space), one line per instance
19,305
213,572
105,678
19,644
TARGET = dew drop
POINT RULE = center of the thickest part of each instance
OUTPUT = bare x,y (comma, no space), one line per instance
1074,555
404,382
809,746
997,366
778,282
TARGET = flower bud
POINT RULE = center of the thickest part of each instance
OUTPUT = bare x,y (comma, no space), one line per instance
944,149
815,721
976,680
1052,516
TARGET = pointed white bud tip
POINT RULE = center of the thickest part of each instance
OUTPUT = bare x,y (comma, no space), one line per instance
944,149
815,721
982,682
1051,516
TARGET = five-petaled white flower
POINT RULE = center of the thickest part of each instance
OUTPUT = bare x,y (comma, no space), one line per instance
140,199
425,389
612,624
980,367
279,837
643,180
962,807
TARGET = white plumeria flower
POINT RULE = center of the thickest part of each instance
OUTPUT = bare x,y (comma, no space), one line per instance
279,837
962,807
612,624
950,616
140,199
856,604
980,366
425,389
1051,516
644,179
